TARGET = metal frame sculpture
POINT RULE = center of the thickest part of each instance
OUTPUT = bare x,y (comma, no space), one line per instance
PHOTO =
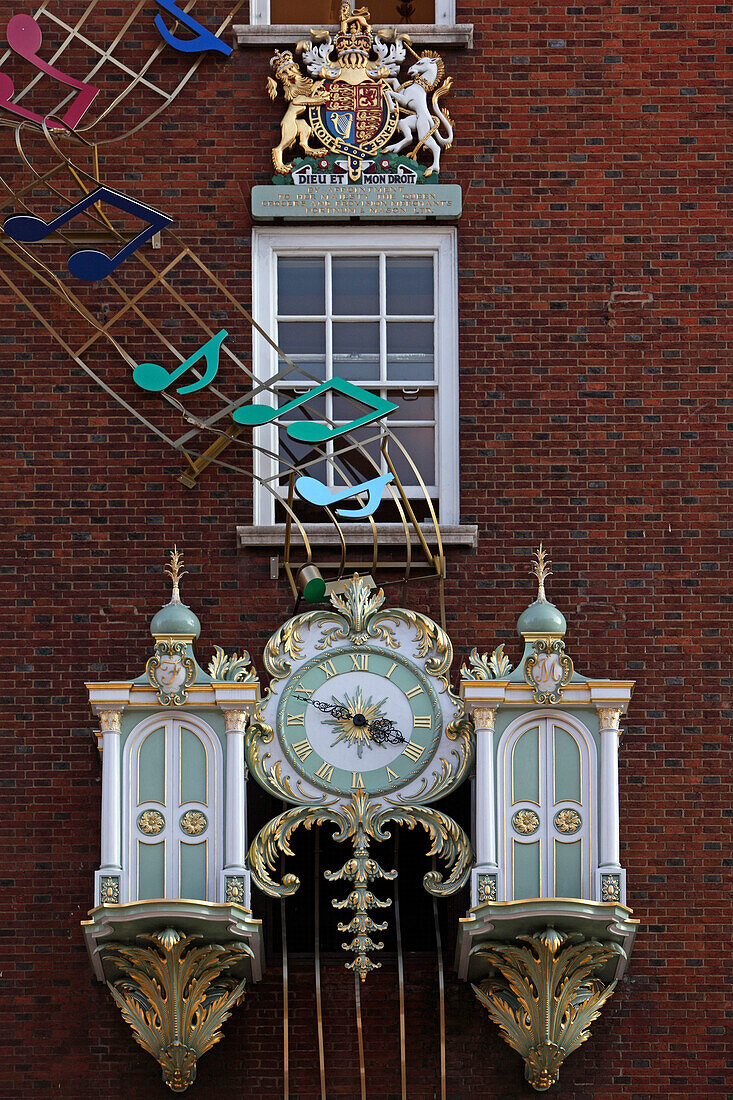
111,307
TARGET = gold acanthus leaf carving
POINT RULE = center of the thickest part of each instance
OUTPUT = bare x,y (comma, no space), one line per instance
361,820
174,997
545,999
358,615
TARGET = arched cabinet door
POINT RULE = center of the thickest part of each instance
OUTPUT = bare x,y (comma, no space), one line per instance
547,808
172,830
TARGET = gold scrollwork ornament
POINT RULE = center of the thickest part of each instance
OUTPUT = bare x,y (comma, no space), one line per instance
546,998
171,672
174,997
547,670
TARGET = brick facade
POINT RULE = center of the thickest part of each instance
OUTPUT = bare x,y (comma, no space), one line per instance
589,143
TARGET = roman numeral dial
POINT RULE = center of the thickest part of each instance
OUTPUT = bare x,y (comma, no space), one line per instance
358,718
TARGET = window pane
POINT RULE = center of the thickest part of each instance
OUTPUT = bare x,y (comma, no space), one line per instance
314,408
410,351
356,350
344,409
298,454
421,407
410,285
355,463
401,11
314,11
305,343
301,285
420,445
355,285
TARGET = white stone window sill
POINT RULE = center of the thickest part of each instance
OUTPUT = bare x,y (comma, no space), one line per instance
463,536
449,35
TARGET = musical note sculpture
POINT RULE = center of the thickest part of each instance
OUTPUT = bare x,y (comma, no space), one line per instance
307,432
89,264
155,379
204,40
24,37
315,492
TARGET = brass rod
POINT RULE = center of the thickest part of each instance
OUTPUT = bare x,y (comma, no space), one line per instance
441,996
400,970
189,478
317,961
360,1037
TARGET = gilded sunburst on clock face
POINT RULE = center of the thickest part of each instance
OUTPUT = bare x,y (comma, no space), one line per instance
356,733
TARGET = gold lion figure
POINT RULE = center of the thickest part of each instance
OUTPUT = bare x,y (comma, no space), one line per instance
300,92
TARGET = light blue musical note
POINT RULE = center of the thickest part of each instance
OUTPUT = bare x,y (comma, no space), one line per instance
205,40
315,492
307,432
154,378
89,264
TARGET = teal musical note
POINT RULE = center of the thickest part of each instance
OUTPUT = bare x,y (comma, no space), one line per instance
155,379
315,492
89,264
308,432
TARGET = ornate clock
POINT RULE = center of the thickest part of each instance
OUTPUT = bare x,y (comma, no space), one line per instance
360,728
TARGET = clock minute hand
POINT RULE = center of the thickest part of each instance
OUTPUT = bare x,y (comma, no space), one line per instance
327,708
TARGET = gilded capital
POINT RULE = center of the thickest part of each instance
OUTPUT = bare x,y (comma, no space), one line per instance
110,721
235,721
484,717
610,717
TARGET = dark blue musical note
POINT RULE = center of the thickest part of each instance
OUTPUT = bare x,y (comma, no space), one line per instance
153,377
89,264
205,40
315,492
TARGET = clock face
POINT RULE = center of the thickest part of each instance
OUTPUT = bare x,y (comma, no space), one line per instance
338,751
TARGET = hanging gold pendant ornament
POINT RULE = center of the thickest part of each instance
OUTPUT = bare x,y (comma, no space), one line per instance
360,729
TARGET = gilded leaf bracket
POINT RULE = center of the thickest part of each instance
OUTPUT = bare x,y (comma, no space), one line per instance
545,999
174,997
361,820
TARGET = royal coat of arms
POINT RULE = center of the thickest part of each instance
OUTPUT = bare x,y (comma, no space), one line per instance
354,106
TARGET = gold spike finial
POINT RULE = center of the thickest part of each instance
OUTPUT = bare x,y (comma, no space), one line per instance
541,570
175,571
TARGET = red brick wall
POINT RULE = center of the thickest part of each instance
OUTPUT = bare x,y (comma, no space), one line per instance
589,143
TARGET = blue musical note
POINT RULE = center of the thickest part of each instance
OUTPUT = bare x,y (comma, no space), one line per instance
205,40
89,264
154,378
307,432
315,492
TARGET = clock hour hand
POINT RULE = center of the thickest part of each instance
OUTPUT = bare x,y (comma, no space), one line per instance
384,732
328,708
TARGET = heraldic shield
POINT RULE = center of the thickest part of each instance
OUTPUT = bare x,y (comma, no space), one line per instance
357,121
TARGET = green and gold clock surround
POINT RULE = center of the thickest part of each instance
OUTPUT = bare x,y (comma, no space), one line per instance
333,678
377,664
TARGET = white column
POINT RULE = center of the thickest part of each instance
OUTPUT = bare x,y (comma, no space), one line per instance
235,850
110,724
485,839
609,849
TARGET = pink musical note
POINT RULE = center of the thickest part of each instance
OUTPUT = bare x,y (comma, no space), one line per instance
24,38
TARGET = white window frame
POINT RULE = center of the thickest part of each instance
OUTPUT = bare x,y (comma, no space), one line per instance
267,243
259,12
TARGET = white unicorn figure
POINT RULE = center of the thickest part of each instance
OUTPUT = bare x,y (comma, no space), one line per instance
421,122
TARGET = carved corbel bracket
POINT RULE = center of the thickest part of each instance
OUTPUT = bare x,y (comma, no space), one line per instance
544,996
173,996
